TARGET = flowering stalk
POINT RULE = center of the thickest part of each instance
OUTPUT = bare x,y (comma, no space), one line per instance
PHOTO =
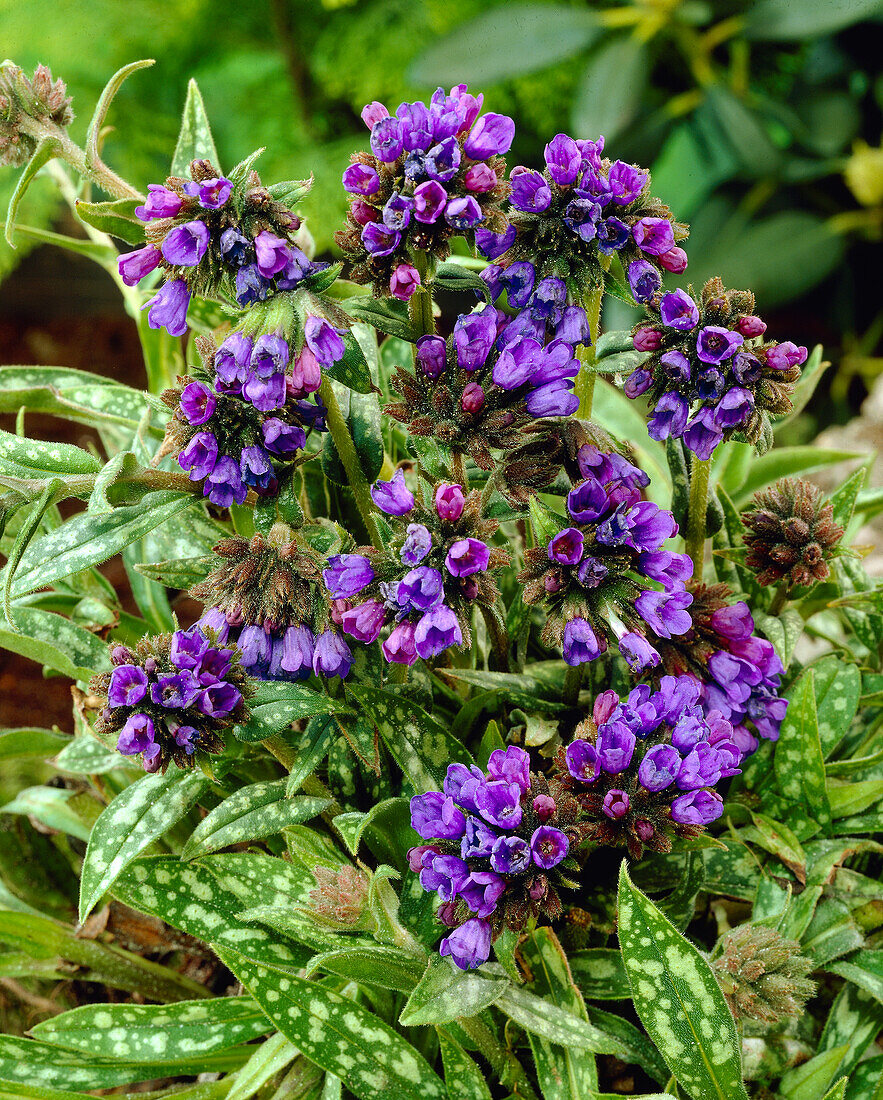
420,304
696,518
585,381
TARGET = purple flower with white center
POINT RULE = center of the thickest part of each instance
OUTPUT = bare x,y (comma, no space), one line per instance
530,192
715,343
168,307
417,544
437,630
444,874
175,692
498,802
469,945
397,212
430,199
659,768
197,403
467,556
199,456
697,808
482,891
653,235
567,546
134,266
491,135
393,497
548,847
563,159
185,245
616,803
364,621
347,575
219,700
449,502
582,761
679,311
137,735
128,686
331,655
433,815
510,855
361,179
161,203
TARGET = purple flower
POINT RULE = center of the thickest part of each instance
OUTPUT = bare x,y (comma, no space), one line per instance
373,112
474,335
715,344
282,438
530,192
168,307
462,782
214,666
587,501
421,588
510,855
665,612
449,502
128,686
331,655
361,179
463,213
580,644
491,136
512,765
701,768
702,435
784,356
161,203
215,621
697,808
573,328
669,417
563,159
567,546
186,737
653,235
432,355
397,212
553,399
137,735
404,281
251,286
516,363
211,194
387,139
659,767
379,240
637,651
469,945
347,575
437,630
297,651
615,804
675,260
197,403
582,216
364,621
734,408
467,556
443,160
482,891
233,358
324,341
679,311
175,692
548,847
435,817
444,874
393,497
224,485
644,280
677,366
495,245
647,338
626,182
135,265
582,761
271,253
478,840
185,245
236,248
671,570
219,700
473,399
638,382
199,456
498,802
616,744
399,647
612,234
430,199
417,544
188,648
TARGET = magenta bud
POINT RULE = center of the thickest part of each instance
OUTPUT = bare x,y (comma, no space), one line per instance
539,888
675,260
605,704
644,829
404,281
447,914
750,326
544,806
468,588
416,854
552,582
364,212
647,339
449,501
472,400
121,655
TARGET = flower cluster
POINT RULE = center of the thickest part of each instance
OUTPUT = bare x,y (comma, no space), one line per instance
172,696
478,390
544,313
604,576
241,421
434,571
266,594
433,173
710,375
582,210
215,237
38,97
740,673
643,769
501,844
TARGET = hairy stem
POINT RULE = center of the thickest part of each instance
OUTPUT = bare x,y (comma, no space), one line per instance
779,600
496,625
585,380
397,674
458,469
572,683
505,1064
696,517
420,305
72,154
343,441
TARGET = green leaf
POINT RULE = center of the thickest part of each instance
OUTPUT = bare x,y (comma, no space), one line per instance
338,1034
268,1059
50,806
422,746
47,149
798,761
837,684
865,969
181,573
317,739
810,1080
460,280
751,144
845,497
28,741
787,462
138,1033
352,370
600,974
117,218
137,817
444,993
86,755
831,933
72,394
251,813
609,91
20,457
387,315
195,141
96,123
459,1067
388,967
516,39
853,797
55,642
783,630
855,1020
678,999
775,837
784,20
539,1017
276,705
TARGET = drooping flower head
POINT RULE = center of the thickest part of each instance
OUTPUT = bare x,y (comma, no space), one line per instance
643,769
420,591
601,574
710,376
434,172
172,696
266,595
499,850
580,211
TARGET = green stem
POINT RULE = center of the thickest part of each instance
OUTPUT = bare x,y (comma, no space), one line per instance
72,154
398,674
585,380
779,600
696,517
458,469
504,1063
420,305
572,683
496,625
343,441
285,753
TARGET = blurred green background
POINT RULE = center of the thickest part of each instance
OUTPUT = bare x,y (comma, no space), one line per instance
760,120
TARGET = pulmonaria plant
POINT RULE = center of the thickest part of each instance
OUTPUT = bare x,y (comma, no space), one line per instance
434,570
500,849
604,576
434,172
710,375
172,697
25,101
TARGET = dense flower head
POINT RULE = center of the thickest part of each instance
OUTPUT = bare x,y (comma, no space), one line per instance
580,211
172,696
710,375
478,390
214,237
740,673
24,98
419,592
643,769
499,849
603,576
241,421
433,172
266,595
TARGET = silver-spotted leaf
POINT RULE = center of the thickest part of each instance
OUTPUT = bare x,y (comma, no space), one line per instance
444,993
798,761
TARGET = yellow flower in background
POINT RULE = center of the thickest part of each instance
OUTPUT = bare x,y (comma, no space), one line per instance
864,174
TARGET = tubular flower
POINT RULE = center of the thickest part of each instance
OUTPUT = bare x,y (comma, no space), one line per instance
419,593
603,576
710,376
433,173
499,850
172,696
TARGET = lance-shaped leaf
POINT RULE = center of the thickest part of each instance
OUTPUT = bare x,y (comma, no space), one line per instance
600,974
276,705
47,149
462,1076
539,1017
72,394
678,999
854,1021
338,1034
444,993
837,685
20,457
388,967
30,741
195,141
268,1059
251,813
798,761
55,642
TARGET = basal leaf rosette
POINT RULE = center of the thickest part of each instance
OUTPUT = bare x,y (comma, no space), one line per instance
711,376
435,569
601,574
171,697
434,172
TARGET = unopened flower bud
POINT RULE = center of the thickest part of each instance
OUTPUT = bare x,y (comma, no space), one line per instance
647,339
762,974
473,398
751,326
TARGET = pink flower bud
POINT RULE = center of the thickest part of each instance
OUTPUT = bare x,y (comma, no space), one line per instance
544,806
674,260
751,326
472,400
404,281
449,501
480,177
647,339
364,213
372,113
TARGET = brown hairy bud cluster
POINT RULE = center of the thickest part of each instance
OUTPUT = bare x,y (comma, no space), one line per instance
340,897
792,534
27,104
763,975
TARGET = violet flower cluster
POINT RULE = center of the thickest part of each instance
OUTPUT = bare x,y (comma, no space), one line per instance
544,311
605,577
214,237
710,375
172,696
434,571
498,844
583,210
643,769
433,172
